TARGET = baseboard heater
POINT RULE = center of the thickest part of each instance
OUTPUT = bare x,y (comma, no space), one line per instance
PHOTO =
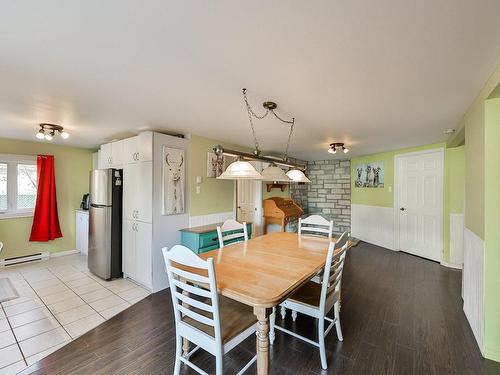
24,259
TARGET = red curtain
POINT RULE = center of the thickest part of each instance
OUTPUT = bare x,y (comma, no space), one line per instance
45,220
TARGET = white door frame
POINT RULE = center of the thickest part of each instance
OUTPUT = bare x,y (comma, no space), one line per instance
397,158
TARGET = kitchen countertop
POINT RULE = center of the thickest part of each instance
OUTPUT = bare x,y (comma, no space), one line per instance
82,211
204,228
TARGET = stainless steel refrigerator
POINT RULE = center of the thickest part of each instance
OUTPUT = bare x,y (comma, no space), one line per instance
105,223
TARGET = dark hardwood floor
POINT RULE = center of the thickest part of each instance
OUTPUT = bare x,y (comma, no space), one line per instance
400,315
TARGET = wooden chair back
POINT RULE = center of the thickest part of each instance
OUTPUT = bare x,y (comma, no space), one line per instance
332,277
239,232
316,224
194,296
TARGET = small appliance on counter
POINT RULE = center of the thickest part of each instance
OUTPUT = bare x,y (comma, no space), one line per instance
105,223
85,202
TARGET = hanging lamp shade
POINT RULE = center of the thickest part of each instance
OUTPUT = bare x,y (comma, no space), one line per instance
274,173
240,170
296,175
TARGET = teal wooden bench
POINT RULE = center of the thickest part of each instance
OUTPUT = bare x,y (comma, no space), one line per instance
204,238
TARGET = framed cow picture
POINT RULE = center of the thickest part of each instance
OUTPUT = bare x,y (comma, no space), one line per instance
215,164
369,175
174,181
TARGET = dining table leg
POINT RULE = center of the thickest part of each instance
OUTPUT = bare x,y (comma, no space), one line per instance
262,315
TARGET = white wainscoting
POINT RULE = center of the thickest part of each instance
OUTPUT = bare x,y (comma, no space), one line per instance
473,284
373,224
456,241
196,221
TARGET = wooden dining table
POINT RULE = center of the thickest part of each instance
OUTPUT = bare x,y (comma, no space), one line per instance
263,272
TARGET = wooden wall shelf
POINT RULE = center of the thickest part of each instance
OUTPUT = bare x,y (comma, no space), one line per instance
275,186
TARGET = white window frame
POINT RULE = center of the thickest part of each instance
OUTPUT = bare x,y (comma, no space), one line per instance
12,161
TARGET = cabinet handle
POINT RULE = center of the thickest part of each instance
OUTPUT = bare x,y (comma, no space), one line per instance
137,156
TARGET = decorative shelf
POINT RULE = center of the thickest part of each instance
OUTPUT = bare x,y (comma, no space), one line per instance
275,186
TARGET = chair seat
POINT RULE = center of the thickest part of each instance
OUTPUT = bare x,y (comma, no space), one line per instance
235,318
309,294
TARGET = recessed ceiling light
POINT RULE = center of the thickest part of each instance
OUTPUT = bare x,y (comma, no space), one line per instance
448,131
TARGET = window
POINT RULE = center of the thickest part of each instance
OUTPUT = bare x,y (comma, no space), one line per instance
18,182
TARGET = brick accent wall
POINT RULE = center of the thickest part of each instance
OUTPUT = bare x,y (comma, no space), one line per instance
328,194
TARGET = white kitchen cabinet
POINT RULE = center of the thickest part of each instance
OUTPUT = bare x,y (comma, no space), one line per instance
82,231
138,191
117,154
105,156
128,248
111,155
130,153
145,146
136,251
143,248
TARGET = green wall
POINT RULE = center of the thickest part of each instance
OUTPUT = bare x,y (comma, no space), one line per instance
492,230
454,182
72,166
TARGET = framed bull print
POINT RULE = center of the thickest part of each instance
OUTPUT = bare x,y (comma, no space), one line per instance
369,175
174,181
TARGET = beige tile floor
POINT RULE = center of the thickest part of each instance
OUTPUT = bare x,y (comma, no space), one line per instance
59,300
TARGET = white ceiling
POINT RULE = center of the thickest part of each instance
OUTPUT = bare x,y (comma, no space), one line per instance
377,75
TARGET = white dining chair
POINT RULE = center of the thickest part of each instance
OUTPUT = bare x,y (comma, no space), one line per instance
341,241
215,324
316,300
239,232
316,225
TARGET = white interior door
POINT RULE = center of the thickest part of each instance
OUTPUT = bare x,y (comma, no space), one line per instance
249,202
419,203
246,208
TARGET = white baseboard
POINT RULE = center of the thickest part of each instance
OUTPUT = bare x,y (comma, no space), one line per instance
473,284
63,253
219,217
373,224
451,265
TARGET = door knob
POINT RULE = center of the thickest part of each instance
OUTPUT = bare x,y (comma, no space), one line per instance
402,209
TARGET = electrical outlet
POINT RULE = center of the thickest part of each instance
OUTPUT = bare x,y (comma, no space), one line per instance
198,189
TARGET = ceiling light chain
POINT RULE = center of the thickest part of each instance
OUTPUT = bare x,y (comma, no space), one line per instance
250,114
270,107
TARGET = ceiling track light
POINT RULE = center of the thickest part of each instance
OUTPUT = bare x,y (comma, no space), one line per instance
48,131
337,146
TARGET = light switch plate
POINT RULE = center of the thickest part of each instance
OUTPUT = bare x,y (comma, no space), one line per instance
198,179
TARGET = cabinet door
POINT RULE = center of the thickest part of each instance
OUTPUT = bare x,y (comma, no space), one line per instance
144,191
131,186
143,242
130,154
145,146
117,154
82,232
128,248
105,155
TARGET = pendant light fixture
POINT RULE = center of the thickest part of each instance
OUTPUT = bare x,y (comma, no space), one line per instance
275,174
240,170
296,175
48,131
